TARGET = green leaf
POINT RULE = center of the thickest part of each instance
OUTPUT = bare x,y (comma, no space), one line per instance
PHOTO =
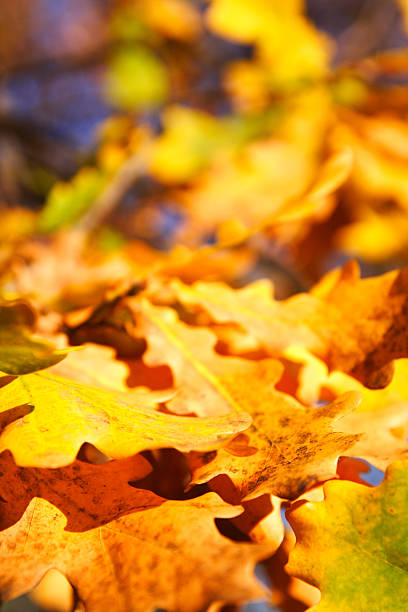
67,202
19,352
354,544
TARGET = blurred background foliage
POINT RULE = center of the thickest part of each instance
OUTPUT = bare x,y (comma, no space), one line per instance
278,128
170,118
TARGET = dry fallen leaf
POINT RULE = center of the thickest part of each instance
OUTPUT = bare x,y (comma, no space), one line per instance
287,449
207,383
88,495
289,593
61,414
355,325
384,435
139,562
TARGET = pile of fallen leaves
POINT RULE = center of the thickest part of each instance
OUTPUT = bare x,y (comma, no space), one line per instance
161,411
150,438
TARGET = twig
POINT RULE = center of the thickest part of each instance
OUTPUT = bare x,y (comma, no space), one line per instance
131,170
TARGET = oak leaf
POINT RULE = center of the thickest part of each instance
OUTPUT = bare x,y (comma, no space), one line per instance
62,414
244,188
355,325
372,328
95,365
354,544
274,324
88,495
262,520
207,383
139,562
287,449
53,281
314,382
381,418
288,592
384,437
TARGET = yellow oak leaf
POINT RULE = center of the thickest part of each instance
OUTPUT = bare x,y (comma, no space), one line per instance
289,593
262,520
314,382
274,324
62,414
244,188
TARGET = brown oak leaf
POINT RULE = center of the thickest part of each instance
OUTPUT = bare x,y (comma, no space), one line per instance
89,495
288,448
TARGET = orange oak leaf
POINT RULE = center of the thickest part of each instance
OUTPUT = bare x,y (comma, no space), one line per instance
289,447
139,562
88,495
207,383
61,414
44,272
275,324
354,325
373,314
261,519
289,593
